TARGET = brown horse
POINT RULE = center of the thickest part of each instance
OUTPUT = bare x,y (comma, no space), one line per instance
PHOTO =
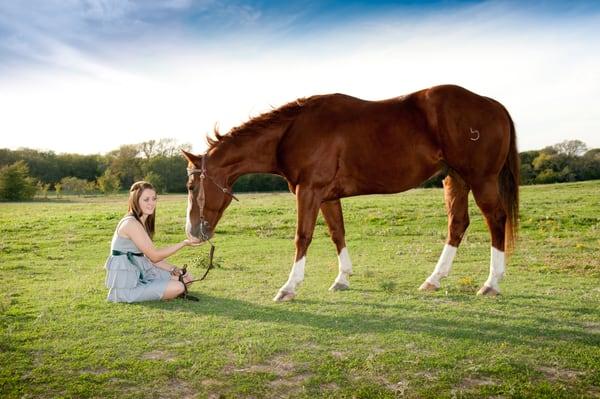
334,146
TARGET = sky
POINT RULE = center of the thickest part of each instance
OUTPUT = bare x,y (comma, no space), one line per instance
86,76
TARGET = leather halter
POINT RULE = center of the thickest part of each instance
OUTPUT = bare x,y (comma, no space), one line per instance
203,175
201,198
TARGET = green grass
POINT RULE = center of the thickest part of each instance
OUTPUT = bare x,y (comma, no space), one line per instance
382,338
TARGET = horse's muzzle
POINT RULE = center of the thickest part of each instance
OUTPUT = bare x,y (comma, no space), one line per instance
201,231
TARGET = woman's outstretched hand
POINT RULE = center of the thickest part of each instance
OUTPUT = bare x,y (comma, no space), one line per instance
193,242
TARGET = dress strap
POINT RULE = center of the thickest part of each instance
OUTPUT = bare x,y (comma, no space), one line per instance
121,222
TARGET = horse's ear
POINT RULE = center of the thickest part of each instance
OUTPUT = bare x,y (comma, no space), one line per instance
190,157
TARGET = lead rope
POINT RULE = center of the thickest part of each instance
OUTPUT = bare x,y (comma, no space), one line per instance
184,272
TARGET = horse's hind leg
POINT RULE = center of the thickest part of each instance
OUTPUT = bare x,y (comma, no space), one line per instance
332,212
456,195
488,199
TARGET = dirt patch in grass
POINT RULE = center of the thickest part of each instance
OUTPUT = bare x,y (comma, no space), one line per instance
291,381
475,382
279,365
331,386
427,375
178,388
593,392
290,386
159,355
398,388
556,374
210,382
592,327
288,381
214,388
94,371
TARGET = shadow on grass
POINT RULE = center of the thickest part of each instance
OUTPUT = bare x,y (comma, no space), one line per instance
454,326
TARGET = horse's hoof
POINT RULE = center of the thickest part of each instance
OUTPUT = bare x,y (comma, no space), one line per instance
339,287
284,296
489,291
427,286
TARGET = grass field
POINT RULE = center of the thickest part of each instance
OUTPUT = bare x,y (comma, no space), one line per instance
383,338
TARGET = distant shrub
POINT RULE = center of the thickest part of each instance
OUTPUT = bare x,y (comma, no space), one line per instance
73,185
109,182
15,183
58,190
42,189
260,182
91,188
157,181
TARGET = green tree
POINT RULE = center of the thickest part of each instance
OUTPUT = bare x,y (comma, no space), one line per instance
170,169
260,182
594,153
91,187
157,181
547,176
571,148
126,164
162,148
42,189
73,185
15,182
109,182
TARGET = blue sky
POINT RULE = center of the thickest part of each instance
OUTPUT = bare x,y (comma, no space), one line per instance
88,76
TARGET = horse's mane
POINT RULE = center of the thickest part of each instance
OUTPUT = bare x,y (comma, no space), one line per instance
260,123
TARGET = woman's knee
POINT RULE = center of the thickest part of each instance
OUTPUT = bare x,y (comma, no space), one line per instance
173,290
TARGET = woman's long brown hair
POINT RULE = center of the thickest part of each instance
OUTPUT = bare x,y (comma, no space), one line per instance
135,192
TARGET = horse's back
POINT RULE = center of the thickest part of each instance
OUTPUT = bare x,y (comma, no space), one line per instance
365,146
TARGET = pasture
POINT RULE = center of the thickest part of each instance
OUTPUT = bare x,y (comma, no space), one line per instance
382,338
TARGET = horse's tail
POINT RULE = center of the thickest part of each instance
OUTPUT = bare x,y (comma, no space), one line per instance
509,180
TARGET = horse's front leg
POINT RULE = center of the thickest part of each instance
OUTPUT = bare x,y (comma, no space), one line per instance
307,202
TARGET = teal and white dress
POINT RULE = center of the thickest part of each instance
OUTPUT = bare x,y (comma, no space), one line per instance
130,276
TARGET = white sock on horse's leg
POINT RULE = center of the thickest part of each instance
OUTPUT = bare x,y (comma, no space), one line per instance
296,276
345,270
497,266
443,266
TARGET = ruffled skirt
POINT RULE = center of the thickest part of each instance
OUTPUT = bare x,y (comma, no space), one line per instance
124,282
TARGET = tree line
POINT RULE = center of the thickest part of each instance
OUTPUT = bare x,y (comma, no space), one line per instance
25,172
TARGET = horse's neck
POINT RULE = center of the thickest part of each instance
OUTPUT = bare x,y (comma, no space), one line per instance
242,154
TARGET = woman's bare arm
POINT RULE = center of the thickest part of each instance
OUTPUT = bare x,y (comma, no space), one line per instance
134,230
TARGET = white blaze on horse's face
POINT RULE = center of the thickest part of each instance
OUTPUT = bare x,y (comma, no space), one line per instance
188,223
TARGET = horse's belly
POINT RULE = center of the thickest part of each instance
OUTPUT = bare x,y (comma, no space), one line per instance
394,178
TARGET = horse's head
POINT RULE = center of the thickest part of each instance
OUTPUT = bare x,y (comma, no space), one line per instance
208,196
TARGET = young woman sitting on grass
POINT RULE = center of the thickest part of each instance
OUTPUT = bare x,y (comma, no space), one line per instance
136,270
